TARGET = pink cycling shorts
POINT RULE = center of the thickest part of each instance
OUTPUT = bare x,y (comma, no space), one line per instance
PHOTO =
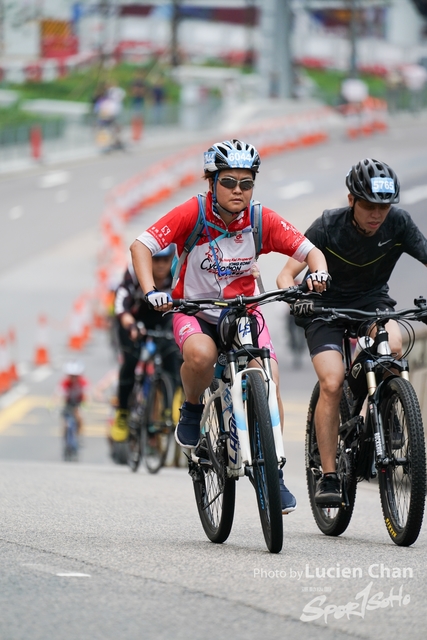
185,326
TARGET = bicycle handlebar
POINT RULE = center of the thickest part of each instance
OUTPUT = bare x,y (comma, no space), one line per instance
419,312
291,294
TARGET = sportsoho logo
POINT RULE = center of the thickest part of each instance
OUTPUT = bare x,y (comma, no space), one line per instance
323,607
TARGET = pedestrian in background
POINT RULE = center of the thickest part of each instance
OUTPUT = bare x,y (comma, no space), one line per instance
158,94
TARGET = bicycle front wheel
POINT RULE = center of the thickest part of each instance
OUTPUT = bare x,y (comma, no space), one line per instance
264,462
70,440
157,430
135,420
402,482
332,521
215,493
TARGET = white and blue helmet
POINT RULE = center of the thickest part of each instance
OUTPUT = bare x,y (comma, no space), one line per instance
231,154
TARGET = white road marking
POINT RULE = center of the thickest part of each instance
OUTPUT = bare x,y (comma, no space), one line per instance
54,179
23,368
73,575
416,194
13,395
295,190
45,568
16,212
41,373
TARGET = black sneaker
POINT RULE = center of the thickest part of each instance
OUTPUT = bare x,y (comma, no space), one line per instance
328,492
187,432
288,500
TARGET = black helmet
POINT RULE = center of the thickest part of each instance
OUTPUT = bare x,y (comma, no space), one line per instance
231,154
373,181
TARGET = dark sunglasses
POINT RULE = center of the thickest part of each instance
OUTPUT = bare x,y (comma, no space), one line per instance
231,183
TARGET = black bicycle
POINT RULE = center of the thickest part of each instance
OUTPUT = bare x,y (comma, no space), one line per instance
387,442
71,442
150,421
240,426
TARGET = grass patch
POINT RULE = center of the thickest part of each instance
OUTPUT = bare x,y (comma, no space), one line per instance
81,85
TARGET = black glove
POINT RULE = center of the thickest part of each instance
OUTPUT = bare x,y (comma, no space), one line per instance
303,308
320,276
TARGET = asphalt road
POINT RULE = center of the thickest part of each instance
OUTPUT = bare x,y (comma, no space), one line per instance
90,550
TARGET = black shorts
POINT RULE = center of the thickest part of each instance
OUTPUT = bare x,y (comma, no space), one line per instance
328,336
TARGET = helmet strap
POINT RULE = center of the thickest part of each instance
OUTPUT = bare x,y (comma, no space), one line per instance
356,224
226,211
214,200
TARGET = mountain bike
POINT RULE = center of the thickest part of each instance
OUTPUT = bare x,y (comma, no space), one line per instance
150,420
71,444
387,442
240,425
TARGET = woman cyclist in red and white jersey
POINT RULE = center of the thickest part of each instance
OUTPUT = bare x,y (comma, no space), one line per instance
221,265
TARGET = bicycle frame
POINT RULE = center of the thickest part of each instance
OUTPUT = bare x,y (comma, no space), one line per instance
387,441
371,424
231,385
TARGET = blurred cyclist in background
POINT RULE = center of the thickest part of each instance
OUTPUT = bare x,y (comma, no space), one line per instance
72,389
131,308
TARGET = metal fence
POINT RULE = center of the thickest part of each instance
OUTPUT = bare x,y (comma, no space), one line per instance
68,137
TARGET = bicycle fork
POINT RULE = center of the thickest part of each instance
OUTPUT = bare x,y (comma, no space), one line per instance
235,406
233,400
373,414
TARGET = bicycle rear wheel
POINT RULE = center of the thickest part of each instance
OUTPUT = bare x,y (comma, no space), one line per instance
332,521
215,493
402,483
265,477
157,430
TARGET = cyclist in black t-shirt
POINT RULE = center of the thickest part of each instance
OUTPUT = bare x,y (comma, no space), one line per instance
361,243
130,308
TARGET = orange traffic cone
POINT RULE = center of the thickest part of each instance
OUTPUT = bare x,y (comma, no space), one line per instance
137,128
100,300
86,318
4,367
76,340
41,356
13,372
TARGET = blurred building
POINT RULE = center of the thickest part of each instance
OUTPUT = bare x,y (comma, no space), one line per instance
387,32
270,32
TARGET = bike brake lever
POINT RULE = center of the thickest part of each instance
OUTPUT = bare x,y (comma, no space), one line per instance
421,303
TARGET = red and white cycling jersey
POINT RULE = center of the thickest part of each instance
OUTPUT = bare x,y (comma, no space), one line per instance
199,274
